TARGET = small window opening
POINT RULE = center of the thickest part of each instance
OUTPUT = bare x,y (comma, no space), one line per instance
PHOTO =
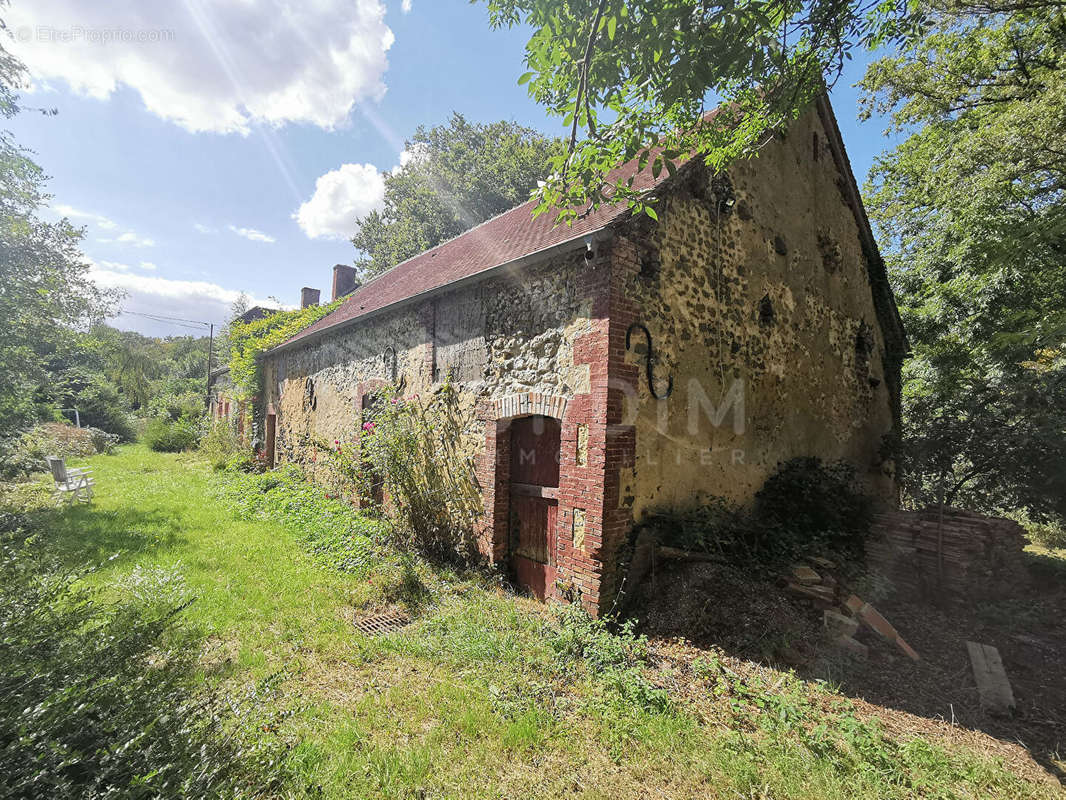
864,345
766,310
816,148
649,267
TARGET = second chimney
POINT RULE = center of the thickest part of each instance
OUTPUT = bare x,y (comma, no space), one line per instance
309,297
343,280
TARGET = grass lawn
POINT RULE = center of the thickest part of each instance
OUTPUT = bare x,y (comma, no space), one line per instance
484,694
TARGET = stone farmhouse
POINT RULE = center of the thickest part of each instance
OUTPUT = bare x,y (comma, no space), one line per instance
623,364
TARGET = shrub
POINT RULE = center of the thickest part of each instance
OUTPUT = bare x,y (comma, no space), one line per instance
98,696
101,406
19,457
175,406
807,505
221,445
413,446
166,436
103,441
58,439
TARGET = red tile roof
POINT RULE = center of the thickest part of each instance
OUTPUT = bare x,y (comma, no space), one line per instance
500,240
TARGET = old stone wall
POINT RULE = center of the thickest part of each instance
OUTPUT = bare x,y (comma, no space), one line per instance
755,291
504,336
532,341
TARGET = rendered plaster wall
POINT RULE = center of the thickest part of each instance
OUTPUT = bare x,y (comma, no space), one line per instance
763,314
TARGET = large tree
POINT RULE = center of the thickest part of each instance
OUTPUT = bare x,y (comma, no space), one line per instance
45,291
627,75
972,215
455,176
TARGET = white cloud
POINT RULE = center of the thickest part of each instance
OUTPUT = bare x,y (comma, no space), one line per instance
132,239
206,229
405,6
88,217
252,234
148,265
102,223
149,294
219,66
340,196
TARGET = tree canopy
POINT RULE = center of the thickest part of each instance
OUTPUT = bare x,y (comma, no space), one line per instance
626,75
456,176
970,208
45,291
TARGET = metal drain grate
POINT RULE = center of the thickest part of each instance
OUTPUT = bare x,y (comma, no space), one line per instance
382,623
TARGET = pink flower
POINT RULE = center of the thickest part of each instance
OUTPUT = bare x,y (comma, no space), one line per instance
336,441
394,400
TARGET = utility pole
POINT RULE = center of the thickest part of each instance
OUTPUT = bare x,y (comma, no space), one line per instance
210,352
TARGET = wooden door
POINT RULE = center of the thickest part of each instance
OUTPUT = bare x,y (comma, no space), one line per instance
271,432
534,490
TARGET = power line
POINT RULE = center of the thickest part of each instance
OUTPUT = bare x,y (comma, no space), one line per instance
163,318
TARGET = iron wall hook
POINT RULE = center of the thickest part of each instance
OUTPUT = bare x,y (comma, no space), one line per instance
649,362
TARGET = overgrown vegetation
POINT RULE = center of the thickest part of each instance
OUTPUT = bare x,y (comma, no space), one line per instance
98,691
221,445
325,524
483,694
28,453
805,507
248,340
171,436
414,446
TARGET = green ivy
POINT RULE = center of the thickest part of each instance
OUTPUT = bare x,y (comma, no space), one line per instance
249,341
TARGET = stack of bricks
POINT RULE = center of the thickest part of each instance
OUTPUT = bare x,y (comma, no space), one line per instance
957,556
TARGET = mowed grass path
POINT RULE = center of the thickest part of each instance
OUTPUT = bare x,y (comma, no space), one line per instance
471,700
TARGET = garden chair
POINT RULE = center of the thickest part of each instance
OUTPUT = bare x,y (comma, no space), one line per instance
72,485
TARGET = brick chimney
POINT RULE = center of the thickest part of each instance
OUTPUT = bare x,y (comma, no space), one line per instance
309,297
343,280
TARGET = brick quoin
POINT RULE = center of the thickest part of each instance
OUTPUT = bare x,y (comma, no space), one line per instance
591,487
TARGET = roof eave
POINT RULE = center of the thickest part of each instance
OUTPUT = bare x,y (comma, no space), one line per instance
587,239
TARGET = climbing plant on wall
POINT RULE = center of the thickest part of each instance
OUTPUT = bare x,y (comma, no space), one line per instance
248,341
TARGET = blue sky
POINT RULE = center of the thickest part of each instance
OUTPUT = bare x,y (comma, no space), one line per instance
216,147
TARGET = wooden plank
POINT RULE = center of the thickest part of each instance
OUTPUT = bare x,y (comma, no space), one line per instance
997,697
532,490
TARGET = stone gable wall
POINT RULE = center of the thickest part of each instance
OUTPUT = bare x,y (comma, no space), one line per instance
756,294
